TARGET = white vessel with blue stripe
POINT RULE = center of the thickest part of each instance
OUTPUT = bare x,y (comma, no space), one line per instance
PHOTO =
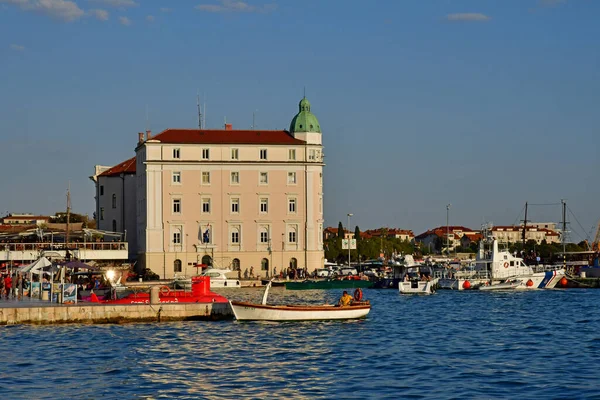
497,269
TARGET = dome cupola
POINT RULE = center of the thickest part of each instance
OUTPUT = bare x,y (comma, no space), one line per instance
304,121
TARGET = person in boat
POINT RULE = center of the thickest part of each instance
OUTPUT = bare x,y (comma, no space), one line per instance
345,300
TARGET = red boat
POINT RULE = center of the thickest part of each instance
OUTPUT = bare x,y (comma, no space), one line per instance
200,294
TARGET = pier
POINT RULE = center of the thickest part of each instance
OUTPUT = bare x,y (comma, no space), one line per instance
14,312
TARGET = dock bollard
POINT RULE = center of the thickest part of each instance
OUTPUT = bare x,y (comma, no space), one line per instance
155,295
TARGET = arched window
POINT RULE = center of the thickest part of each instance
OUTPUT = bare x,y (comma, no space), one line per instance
293,263
264,264
114,225
207,260
177,266
235,264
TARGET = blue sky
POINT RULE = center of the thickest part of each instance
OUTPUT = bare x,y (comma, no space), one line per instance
483,104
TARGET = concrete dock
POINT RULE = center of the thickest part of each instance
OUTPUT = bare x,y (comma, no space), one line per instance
14,312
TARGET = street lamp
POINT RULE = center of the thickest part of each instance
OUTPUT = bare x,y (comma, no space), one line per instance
349,215
448,228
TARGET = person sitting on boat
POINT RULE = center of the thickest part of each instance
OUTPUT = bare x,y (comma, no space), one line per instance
345,300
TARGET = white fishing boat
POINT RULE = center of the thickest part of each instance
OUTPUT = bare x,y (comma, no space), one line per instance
244,311
418,286
495,265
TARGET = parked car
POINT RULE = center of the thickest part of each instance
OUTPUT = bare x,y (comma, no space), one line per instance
324,273
348,271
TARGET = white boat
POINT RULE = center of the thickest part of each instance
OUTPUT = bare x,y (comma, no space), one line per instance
495,265
219,279
244,311
418,286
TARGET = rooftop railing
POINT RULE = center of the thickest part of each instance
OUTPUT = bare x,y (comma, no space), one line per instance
45,246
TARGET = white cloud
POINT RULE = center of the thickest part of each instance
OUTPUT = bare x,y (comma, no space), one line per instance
17,47
150,18
117,3
100,15
125,21
476,17
64,10
226,6
165,9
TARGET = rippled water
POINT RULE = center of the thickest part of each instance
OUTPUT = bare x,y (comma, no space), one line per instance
530,345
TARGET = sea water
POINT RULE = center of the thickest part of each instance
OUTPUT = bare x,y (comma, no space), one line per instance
514,345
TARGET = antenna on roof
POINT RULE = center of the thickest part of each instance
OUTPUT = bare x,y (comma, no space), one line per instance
204,113
254,119
199,112
304,92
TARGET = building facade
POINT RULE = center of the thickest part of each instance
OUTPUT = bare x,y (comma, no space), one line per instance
236,199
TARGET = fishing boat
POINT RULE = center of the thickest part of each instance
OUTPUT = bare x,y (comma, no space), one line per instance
328,284
244,311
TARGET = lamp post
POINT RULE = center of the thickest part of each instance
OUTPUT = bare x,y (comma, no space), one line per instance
349,215
448,228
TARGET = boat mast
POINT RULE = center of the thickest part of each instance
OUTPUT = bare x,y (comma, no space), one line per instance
524,226
564,231
68,215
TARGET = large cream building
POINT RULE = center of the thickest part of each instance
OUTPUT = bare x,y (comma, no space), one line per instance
230,198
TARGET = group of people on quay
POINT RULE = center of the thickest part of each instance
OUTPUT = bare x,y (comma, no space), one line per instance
286,273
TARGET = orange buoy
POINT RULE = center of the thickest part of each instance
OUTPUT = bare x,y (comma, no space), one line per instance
530,283
467,285
564,282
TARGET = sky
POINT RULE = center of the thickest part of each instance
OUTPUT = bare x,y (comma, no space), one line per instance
481,104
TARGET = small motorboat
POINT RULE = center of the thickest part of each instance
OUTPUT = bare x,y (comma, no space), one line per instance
262,312
218,278
418,286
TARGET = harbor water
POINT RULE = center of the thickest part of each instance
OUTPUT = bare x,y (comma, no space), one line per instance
526,345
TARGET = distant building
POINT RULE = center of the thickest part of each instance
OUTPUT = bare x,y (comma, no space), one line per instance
392,233
329,232
514,234
24,219
451,236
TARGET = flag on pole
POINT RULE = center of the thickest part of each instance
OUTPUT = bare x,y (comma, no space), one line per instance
206,235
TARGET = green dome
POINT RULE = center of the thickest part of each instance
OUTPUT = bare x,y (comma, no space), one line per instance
305,121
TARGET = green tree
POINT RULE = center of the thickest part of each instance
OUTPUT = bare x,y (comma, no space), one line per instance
340,230
357,233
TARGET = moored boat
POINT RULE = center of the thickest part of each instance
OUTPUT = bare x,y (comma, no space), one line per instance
418,286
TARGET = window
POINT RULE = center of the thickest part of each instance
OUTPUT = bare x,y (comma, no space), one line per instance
101,213
320,204
235,206
292,236
177,266
321,178
101,190
114,201
291,178
264,235
205,154
114,225
206,205
235,154
292,206
176,206
176,237
312,155
235,178
206,178
264,205
235,236
263,154
292,154
175,153
264,178
264,264
176,177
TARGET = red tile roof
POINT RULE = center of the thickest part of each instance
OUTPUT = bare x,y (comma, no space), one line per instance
220,136
126,167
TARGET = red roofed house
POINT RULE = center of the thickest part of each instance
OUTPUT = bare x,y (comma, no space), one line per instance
451,235
228,198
